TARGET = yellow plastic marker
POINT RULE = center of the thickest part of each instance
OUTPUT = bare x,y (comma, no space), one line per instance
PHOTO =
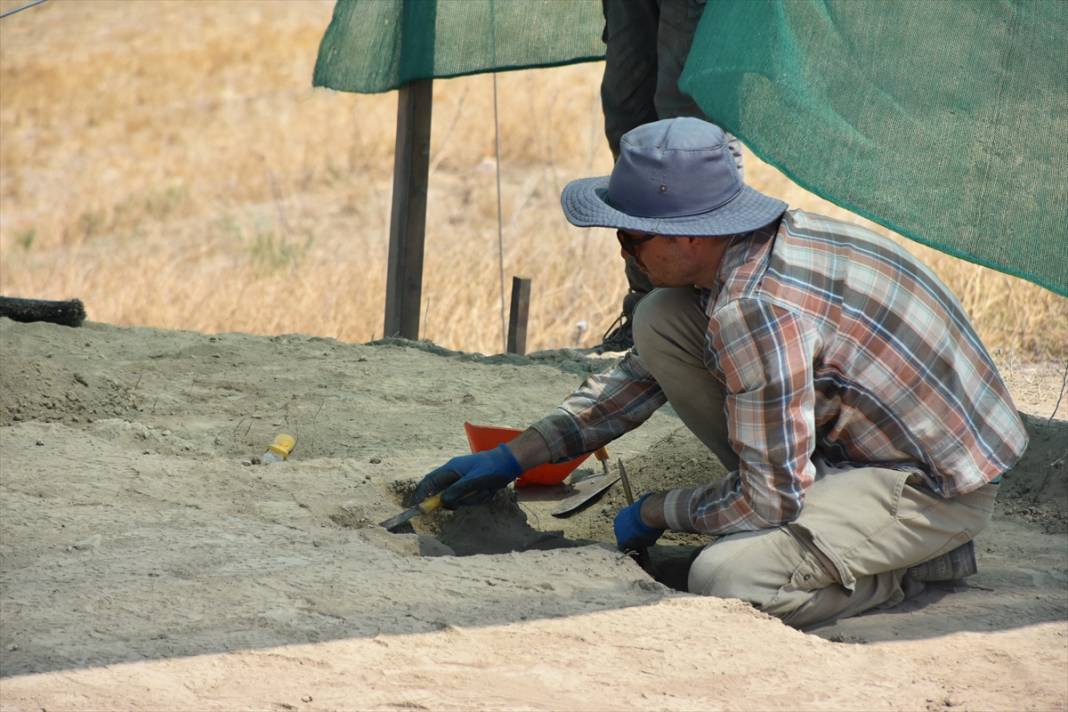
279,450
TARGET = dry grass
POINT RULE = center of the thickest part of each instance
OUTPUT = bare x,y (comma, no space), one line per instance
169,164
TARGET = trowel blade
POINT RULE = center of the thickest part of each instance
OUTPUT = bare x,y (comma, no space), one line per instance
403,518
588,491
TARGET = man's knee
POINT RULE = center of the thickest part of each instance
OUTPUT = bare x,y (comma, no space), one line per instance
715,575
645,316
751,566
661,316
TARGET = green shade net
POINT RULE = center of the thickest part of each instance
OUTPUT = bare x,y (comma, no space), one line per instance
945,121
378,45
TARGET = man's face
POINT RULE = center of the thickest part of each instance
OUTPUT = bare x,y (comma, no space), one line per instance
664,260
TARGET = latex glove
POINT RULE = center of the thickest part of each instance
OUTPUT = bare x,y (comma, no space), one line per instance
631,531
470,478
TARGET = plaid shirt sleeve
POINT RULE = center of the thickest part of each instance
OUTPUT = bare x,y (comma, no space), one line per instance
604,407
764,355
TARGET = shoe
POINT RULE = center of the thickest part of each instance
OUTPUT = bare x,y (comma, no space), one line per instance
619,337
951,566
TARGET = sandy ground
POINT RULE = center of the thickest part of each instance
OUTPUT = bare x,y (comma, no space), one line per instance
147,563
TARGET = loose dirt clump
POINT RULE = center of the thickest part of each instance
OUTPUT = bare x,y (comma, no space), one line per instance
1036,490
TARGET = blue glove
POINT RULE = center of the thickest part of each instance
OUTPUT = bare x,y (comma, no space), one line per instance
631,532
471,478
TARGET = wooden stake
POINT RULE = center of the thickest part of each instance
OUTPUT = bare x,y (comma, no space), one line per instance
411,163
517,317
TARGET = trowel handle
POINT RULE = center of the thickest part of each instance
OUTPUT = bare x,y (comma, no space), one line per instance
601,454
429,504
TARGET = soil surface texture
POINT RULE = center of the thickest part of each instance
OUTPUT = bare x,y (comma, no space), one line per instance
148,560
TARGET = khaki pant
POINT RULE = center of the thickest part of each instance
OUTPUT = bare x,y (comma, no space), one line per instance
860,528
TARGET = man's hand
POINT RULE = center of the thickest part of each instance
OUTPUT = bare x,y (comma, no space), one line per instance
631,532
470,478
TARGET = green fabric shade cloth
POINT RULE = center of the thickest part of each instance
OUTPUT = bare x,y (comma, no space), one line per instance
377,45
944,121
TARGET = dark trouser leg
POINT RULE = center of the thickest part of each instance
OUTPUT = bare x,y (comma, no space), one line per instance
629,84
646,44
678,23
620,335
628,98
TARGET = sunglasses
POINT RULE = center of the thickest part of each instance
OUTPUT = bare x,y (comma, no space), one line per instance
629,241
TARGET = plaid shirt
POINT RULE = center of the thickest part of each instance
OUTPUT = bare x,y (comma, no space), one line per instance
829,340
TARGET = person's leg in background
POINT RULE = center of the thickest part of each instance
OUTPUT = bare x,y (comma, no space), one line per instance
675,31
628,92
628,87
646,44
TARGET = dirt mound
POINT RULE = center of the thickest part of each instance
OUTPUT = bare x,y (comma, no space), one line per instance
1036,490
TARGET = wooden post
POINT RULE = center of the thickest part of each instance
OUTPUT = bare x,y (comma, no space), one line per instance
411,163
517,317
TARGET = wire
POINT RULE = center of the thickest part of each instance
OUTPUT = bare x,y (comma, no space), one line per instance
1064,382
500,214
20,9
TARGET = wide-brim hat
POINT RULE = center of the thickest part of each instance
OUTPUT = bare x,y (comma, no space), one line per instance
674,177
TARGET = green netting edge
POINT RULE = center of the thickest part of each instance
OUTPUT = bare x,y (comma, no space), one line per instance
453,75
765,156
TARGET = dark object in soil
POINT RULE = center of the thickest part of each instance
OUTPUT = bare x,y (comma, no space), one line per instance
1036,489
670,564
65,313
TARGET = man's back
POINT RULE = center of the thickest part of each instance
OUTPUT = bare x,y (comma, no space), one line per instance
900,377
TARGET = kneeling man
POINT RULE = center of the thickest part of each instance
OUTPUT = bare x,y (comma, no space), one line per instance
863,424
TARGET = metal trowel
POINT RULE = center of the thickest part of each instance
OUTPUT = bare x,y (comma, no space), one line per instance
589,491
427,506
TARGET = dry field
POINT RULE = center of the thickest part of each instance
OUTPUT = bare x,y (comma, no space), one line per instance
170,164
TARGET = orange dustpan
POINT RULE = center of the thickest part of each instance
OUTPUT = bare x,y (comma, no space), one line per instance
487,437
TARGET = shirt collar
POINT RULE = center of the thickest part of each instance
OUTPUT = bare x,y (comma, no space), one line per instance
744,259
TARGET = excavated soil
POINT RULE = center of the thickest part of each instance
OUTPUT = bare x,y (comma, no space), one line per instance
148,562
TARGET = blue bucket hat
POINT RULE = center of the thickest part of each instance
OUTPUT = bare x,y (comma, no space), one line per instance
674,177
